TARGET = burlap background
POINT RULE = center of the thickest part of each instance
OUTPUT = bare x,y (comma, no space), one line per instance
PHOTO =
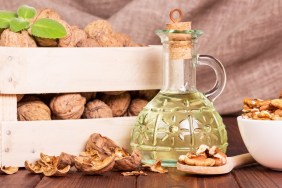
245,35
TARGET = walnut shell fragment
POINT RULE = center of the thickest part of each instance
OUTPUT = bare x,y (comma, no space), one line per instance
97,109
156,167
9,170
118,103
103,145
92,166
49,165
126,162
33,110
134,173
67,106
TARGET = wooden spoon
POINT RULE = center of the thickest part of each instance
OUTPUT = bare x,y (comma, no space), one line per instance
232,162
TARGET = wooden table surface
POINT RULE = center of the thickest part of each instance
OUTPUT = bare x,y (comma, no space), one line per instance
249,176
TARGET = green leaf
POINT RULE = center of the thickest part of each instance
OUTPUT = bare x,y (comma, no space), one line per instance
26,12
5,18
47,28
18,24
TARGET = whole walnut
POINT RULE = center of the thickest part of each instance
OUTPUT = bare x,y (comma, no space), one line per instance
67,106
74,35
97,28
97,109
102,32
20,39
118,103
136,106
33,110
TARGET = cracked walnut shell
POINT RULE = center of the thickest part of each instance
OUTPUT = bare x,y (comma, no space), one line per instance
91,166
103,145
67,106
118,103
50,165
97,109
9,170
33,110
126,162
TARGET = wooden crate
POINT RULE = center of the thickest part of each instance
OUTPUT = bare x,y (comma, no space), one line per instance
63,70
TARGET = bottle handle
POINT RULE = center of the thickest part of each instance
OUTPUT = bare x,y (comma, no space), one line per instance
219,70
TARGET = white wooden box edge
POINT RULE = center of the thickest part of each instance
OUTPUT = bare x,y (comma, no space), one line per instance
61,70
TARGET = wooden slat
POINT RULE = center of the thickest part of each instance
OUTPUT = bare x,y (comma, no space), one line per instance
55,70
8,107
25,140
22,179
178,179
257,176
77,180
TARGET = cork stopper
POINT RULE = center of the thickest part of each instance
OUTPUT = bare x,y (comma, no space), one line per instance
177,24
180,43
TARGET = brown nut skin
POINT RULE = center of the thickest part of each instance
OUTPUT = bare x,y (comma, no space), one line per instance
118,103
33,110
20,39
129,163
67,106
97,109
44,42
147,94
65,160
136,106
103,145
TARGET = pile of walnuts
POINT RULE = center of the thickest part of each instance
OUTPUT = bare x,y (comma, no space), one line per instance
99,33
258,109
82,105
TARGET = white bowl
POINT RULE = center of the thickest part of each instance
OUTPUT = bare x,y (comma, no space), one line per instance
263,139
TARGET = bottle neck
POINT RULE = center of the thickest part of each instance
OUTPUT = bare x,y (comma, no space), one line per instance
179,74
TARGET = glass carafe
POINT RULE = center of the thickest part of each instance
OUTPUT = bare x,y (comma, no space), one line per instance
180,118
